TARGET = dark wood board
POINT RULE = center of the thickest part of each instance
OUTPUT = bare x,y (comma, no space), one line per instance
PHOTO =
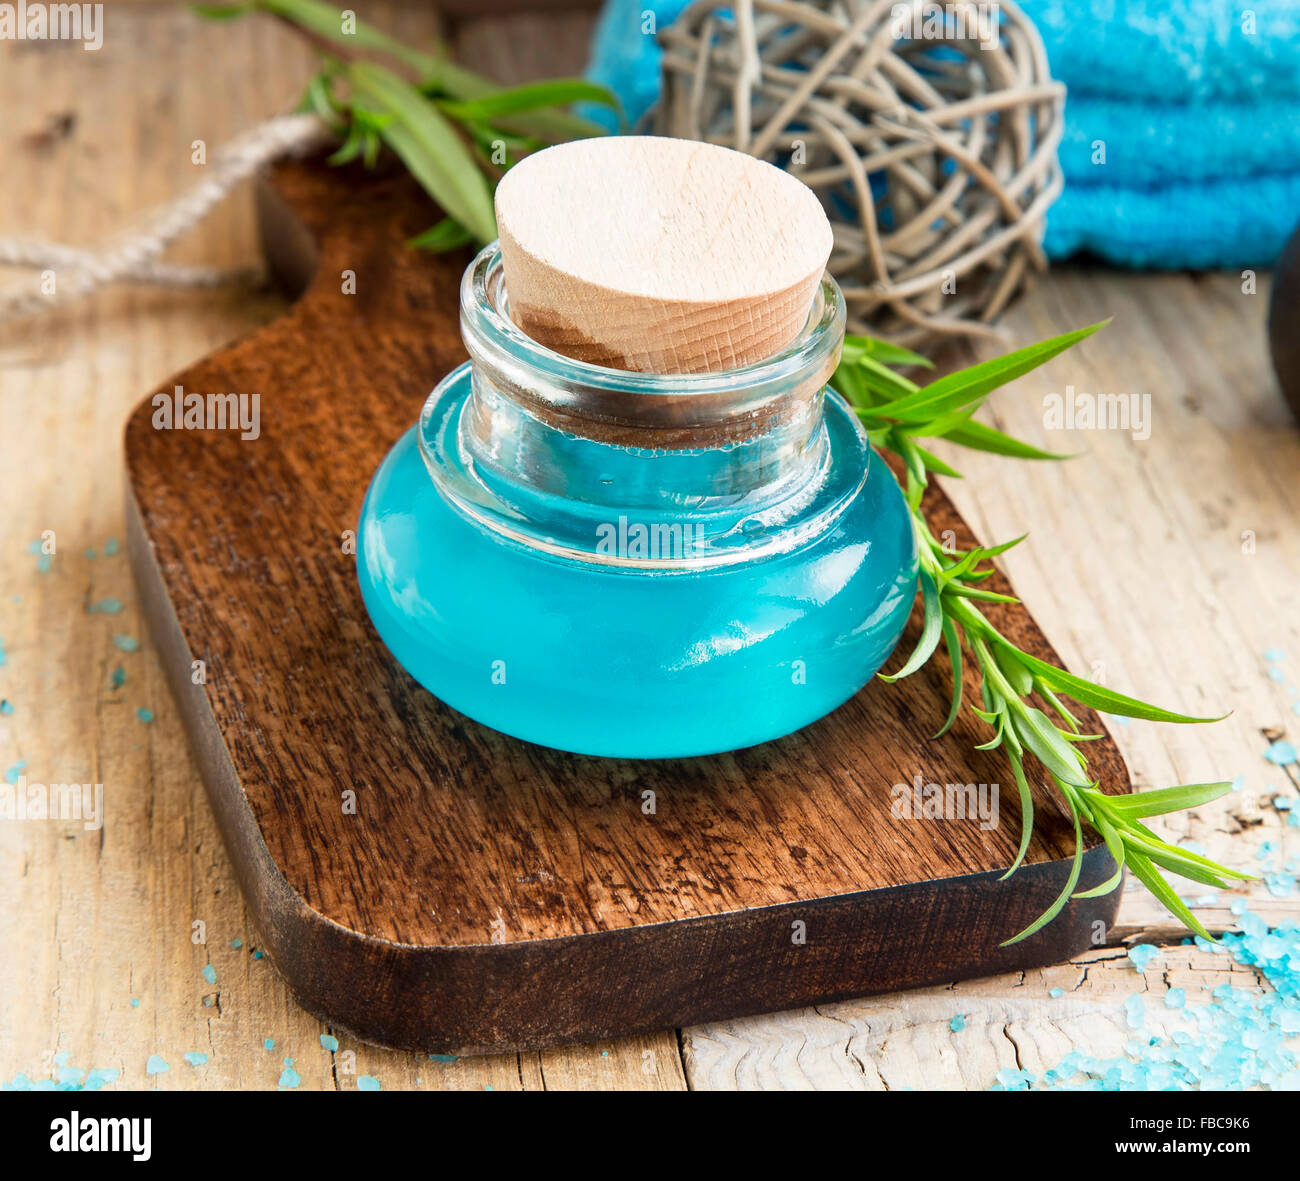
488,894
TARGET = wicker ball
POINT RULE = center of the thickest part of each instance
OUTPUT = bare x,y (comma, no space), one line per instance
934,155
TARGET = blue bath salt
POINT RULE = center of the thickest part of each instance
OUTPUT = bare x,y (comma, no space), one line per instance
1134,1011
1056,994
1142,954
444,1058
66,1078
1281,753
6,707
105,607
1011,1079
145,715
1176,998
126,643
90,553
155,1065
288,1062
1283,803
117,678
194,1058
135,1002
1276,674
12,774
1275,655
289,1077
1239,783
110,547
958,1023
268,1043
236,943
209,973
1280,885
1265,851
3,657
329,1042
34,547
257,955
368,1082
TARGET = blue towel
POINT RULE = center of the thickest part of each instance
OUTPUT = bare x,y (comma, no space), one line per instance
1198,114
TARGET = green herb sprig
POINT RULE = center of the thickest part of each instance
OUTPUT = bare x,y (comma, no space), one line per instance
456,131
896,414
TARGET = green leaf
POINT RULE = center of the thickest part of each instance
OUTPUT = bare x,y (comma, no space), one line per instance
878,379
424,139
978,437
1026,815
934,464
326,21
931,630
1086,693
957,389
883,351
1052,911
1164,800
953,642
1034,728
1150,877
1017,675
444,236
556,92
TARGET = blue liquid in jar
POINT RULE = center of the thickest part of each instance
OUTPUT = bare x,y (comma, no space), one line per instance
624,661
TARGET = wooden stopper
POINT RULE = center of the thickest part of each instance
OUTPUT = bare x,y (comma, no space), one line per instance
659,255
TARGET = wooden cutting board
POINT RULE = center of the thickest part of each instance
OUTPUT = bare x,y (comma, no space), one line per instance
484,894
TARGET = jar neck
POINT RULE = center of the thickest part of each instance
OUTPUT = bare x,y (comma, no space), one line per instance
553,451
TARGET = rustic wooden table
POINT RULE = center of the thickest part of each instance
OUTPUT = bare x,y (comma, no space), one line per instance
1167,566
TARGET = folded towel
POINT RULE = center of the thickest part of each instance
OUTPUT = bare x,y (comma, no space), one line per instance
1197,104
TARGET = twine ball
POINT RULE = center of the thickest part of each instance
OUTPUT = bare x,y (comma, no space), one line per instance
928,133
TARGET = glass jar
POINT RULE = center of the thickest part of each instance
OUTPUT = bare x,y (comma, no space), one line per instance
634,564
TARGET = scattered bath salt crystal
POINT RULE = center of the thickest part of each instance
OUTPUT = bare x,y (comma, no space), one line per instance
289,1077
367,1082
1280,885
3,657
90,553
1117,719
34,547
268,1043
126,643
97,1078
1295,707
1281,803
61,1058
443,1057
1056,994
1276,674
1204,900
105,607
958,1023
1175,998
1134,1010
288,1062
135,1002
1266,850
155,1065
1275,655
66,1078
1293,819
1239,783
209,974
6,706
236,943
604,1053
145,715
194,1058
329,1042
1011,1079
257,955
117,678
1281,753
110,547
45,563
1142,954
11,775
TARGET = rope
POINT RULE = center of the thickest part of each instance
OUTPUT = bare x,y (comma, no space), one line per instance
133,256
